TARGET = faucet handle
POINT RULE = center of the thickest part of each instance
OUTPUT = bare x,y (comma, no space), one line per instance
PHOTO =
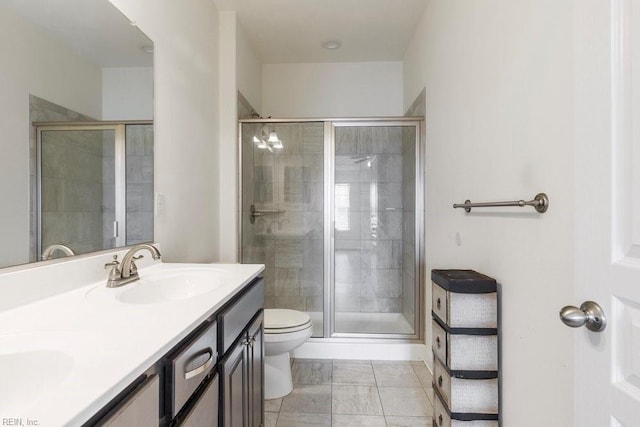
134,268
113,264
114,273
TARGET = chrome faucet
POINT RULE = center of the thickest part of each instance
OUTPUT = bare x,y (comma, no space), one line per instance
49,250
128,272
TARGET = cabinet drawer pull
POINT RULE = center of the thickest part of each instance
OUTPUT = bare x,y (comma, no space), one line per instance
438,304
440,419
440,381
202,368
438,341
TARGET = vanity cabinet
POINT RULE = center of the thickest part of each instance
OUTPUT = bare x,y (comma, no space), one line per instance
213,377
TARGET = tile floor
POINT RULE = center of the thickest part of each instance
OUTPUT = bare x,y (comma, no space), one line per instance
354,393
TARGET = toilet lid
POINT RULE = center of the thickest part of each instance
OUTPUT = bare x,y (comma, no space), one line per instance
280,319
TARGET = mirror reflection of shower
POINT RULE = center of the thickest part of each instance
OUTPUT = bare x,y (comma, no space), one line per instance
267,139
362,159
94,187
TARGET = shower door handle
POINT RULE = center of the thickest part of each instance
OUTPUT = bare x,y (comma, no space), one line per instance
253,213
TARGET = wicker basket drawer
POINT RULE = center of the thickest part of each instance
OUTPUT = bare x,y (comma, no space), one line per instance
465,352
462,395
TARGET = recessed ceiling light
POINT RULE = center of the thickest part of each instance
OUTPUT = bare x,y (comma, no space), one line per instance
331,44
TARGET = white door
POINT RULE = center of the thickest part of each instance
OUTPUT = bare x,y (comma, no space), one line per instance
607,209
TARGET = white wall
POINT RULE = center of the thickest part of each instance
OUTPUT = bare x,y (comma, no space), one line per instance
32,63
348,89
499,113
186,122
249,70
240,70
127,93
228,164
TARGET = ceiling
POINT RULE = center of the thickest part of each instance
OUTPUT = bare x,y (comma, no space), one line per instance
94,28
290,31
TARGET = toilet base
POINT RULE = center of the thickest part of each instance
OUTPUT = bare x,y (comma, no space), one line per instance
277,376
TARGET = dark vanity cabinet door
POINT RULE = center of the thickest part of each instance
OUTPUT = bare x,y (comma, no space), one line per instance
243,378
256,372
235,379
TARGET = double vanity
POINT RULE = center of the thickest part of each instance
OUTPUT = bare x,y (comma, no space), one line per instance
182,345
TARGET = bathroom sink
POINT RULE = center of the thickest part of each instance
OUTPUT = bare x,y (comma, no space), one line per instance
31,366
171,285
27,375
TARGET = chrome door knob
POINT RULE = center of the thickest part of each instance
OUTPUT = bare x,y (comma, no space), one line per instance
590,314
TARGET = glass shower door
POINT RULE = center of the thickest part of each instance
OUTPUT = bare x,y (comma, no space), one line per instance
77,188
282,212
374,200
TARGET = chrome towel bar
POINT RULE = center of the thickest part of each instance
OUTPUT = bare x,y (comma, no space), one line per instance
540,203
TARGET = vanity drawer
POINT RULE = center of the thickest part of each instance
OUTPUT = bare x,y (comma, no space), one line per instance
465,352
191,365
460,310
234,319
441,418
479,396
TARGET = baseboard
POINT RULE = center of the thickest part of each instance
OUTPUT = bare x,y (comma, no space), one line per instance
357,349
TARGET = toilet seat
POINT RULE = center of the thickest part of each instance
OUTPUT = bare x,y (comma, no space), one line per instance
283,321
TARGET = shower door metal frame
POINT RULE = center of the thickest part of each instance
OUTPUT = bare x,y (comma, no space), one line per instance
330,124
329,314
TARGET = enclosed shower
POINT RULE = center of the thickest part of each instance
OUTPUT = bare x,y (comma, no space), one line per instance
333,208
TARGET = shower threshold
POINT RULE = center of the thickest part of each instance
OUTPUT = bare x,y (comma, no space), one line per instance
364,323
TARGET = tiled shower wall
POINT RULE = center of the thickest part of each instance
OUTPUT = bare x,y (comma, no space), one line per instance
290,243
139,159
72,189
369,220
139,187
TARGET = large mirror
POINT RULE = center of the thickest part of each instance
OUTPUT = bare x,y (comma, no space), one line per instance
76,116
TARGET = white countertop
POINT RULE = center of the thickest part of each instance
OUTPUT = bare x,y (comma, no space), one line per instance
97,344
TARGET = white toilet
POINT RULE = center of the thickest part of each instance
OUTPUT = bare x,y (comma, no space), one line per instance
284,331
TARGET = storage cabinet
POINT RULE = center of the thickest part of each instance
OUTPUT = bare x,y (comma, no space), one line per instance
465,349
